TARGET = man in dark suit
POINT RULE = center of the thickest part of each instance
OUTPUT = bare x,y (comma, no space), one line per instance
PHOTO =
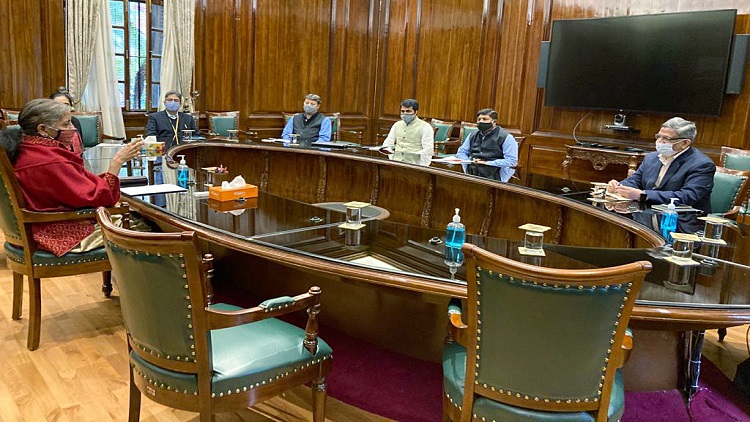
168,125
675,170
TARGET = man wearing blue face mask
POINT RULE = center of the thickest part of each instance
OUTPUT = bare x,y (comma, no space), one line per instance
168,125
311,126
411,139
675,170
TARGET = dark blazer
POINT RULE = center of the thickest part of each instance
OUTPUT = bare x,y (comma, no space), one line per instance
160,125
690,179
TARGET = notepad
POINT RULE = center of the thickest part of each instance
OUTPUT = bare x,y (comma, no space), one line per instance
152,189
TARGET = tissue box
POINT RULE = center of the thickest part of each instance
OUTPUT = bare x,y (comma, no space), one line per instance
224,206
232,194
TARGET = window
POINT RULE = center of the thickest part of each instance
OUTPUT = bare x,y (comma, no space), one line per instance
138,36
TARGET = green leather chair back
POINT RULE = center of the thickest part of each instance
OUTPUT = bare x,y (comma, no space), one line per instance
154,300
223,124
9,223
526,346
90,129
444,130
736,161
537,339
726,189
466,131
10,114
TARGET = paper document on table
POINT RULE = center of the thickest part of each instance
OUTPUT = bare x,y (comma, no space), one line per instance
451,160
277,140
615,197
152,189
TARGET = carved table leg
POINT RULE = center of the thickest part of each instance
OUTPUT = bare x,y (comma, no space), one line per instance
693,345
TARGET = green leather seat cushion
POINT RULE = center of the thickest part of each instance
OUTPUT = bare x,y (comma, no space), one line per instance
222,124
243,356
454,373
44,258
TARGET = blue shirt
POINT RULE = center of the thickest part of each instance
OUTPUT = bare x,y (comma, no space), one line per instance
506,164
323,136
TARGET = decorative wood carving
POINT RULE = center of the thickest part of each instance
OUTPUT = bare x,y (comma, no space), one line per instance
600,158
375,184
487,220
425,220
321,197
266,170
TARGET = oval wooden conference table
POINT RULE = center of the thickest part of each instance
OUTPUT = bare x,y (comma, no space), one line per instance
387,283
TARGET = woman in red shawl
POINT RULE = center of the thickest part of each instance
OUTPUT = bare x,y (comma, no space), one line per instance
53,178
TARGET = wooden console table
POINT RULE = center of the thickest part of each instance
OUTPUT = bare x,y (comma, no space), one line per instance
600,158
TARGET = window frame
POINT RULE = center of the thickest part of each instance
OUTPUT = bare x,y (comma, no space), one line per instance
125,54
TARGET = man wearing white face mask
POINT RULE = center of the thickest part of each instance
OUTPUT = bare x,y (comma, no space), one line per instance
311,126
411,139
675,170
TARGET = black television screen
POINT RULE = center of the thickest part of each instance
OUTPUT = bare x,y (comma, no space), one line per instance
672,63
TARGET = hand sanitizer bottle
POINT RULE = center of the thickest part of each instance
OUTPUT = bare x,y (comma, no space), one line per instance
455,233
183,174
668,222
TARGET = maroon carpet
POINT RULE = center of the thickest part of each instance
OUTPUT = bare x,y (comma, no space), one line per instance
409,390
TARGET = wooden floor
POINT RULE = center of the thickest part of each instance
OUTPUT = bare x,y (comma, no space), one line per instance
80,371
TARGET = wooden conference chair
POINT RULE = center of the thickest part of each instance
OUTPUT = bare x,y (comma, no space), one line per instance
188,353
539,343
221,122
729,192
7,114
92,133
443,130
23,257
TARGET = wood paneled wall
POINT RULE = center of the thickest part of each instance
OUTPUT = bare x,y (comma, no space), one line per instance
364,56
32,50
455,56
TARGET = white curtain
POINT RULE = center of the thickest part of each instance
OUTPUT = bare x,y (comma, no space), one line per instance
101,92
82,21
179,52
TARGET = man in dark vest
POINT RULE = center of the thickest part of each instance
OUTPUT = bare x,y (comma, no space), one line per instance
494,151
311,126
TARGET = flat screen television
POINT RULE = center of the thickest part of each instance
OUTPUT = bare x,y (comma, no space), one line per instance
672,63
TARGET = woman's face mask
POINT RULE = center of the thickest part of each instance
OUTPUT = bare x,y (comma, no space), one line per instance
67,137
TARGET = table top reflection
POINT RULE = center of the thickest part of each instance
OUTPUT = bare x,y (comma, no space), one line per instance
310,230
